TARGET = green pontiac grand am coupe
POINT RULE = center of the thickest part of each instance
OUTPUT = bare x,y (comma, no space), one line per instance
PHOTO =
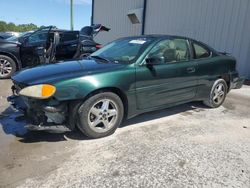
125,78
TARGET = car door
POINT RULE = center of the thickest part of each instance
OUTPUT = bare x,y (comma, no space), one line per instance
68,44
37,41
206,70
170,78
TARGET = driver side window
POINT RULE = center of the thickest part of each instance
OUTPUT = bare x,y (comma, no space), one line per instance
170,51
38,37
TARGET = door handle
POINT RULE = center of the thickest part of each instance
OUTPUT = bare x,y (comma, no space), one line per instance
190,69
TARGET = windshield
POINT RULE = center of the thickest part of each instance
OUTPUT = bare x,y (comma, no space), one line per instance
124,50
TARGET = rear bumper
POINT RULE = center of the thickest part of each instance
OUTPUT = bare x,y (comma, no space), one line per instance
237,83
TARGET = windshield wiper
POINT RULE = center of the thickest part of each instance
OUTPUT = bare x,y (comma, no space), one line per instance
99,57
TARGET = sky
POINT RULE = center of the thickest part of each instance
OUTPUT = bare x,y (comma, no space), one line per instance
46,12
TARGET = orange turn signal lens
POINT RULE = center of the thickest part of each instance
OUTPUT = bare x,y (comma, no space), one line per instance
48,90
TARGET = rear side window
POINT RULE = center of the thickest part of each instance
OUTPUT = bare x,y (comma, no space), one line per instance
68,36
200,51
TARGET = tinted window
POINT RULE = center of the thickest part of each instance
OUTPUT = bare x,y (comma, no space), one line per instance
170,51
38,37
200,51
71,36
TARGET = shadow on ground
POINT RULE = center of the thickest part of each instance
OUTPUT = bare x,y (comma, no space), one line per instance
13,124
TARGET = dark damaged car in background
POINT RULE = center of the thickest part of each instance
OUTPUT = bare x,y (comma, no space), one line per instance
125,78
46,45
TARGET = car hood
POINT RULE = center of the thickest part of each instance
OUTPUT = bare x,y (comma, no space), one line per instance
4,42
63,70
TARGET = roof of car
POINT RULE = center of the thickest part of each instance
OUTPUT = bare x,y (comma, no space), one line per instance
162,36
159,36
59,30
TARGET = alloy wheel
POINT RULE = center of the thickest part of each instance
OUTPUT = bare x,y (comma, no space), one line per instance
5,67
219,93
103,115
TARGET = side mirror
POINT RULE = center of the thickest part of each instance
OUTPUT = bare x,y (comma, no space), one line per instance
23,40
154,60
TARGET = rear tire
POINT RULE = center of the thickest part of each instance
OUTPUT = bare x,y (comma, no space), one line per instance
100,115
7,67
217,94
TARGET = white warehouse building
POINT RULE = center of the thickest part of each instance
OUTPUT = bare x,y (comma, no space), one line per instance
222,24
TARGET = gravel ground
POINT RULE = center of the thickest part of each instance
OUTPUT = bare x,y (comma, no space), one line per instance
185,146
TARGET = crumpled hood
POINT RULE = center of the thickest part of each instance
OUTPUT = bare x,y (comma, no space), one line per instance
52,73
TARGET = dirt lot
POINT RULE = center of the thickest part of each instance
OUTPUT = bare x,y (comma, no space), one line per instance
185,146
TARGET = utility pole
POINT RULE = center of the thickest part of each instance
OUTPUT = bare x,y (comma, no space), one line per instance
71,15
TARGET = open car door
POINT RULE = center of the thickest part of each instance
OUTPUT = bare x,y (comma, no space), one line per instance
68,45
37,47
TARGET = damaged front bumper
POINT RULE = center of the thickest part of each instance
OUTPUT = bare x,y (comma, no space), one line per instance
17,103
40,114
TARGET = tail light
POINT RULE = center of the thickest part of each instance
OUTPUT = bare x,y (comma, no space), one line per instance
98,46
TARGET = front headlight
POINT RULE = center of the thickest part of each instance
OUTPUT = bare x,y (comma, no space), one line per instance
42,91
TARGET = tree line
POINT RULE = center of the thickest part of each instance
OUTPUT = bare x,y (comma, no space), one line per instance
17,28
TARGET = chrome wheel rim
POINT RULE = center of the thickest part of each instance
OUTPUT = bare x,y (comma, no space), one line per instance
219,93
5,67
103,115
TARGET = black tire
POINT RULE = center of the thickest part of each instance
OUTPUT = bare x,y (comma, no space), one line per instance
84,112
210,101
4,58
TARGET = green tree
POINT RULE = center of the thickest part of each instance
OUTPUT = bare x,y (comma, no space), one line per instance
3,26
18,28
11,26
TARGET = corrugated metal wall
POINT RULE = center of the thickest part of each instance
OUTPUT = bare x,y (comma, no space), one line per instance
223,24
113,14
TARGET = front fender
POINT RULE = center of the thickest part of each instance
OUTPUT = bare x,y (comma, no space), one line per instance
79,88
76,88
14,55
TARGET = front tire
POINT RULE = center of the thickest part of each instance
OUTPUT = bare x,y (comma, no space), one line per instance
7,67
100,115
217,94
